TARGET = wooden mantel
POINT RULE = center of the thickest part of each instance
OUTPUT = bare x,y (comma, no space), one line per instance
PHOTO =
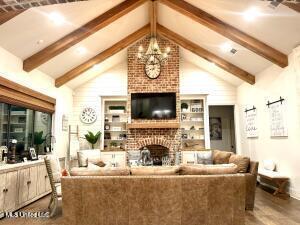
153,125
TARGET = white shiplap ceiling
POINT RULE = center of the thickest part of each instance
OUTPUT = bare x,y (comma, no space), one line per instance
279,28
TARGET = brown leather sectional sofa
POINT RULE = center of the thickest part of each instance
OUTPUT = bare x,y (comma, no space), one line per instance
246,167
154,200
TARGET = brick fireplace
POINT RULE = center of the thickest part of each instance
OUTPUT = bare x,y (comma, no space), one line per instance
160,141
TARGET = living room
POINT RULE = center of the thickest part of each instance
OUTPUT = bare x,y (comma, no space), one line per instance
149,112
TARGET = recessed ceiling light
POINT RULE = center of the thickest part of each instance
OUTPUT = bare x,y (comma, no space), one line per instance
40,42
56,18
226,47
81,50
251,14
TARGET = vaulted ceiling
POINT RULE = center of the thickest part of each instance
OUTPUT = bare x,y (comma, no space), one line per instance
266,40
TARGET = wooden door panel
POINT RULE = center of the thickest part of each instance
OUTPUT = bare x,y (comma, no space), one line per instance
24,176
2,193
41,187
10,200
32,187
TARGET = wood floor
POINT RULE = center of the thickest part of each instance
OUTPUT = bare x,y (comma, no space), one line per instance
268,210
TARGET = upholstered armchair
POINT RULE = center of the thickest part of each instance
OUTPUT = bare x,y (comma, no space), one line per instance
54,174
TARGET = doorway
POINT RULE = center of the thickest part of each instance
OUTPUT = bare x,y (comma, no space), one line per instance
222,128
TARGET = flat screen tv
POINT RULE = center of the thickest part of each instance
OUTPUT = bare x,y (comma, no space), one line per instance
153,105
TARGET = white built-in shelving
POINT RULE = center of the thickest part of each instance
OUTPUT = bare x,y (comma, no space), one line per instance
114,125
194,121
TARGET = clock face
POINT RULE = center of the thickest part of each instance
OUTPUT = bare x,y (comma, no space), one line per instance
152,68
88,115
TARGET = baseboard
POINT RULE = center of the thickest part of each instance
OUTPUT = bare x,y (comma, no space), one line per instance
295,193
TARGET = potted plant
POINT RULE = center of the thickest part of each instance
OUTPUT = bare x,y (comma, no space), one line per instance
113,144
92,138
116,109
184,107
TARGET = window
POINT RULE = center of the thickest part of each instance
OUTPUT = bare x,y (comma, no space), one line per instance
3,124
21,127
42,132
30,128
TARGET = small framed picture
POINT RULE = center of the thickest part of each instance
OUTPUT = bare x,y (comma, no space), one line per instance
24,159
32,153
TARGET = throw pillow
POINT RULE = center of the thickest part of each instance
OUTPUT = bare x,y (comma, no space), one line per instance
168,170
204,157
99,171
269,165
242,162
221,169
82,160
221,157
65,173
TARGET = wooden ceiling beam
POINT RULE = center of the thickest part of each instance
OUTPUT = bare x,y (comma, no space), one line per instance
228,31
124,43
6,16
153,17
181,41
80,34
294,6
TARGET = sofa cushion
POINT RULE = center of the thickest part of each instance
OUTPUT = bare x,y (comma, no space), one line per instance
204,157
93,170
221,169
208,169
192,169
162,170
242,162
221,157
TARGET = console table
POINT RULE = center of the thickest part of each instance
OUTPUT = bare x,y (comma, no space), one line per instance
22,184
275,177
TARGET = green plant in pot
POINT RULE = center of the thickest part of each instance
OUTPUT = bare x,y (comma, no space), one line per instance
184,106
92,138
38,140
113,144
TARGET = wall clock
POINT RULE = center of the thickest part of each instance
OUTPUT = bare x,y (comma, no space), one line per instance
152,68
88,115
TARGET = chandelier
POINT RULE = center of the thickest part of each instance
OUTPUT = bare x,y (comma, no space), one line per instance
153,53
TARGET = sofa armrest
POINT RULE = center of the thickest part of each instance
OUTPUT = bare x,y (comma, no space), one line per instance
251,178
253,168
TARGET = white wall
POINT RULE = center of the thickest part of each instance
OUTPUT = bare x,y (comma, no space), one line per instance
194,80
11,68
110,83
274,82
